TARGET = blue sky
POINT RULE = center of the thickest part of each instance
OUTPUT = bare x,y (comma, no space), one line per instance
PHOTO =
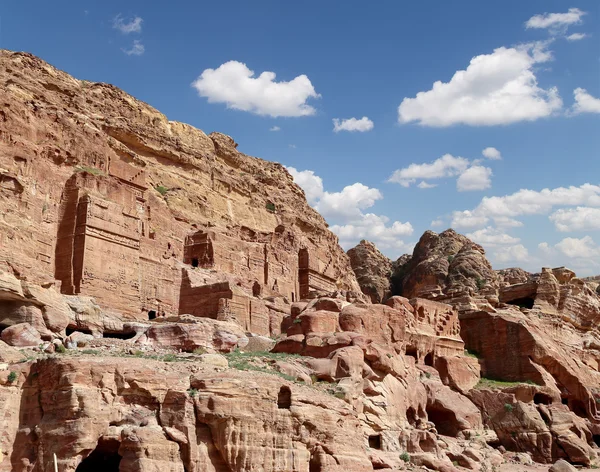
529,89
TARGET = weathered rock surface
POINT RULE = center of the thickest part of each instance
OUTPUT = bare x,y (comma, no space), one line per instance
86,169
372,270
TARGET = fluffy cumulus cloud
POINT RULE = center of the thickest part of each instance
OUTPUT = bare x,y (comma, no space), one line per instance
471,175
445,166
136,49
234,84
584,102
495,89
275,128
353,124
474,178
134,25
467,219
437,223
345,210
388,238
311,183
491,236
576,37
517,253
555,21
506,208
491,153
576,219
579,248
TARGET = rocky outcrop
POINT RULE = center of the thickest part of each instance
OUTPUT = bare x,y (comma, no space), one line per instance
372,270
86,169
446,267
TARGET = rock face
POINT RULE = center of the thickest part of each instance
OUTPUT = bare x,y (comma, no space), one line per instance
146,268
372,270
103,194
540,328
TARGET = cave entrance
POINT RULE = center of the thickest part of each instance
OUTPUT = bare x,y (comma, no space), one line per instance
70,331
118,335
375,441
578,407
542,399
151,314
525,302
256,289
444,421
412,352
284,398
105,458
596,439
429,359
411,416
195,262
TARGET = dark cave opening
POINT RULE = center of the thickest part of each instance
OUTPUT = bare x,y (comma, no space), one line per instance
525,302
375,441
596,439
105,458
195,262
119,335
70,331
578,407
542,399
444,421
151,314
412,352
429,359
411,416
284,398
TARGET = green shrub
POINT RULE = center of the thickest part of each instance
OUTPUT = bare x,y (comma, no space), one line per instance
169,358
192,392
199,351
405,456
161,189
61,349
270,206
450,258
508,407
12,377
480,283
297,321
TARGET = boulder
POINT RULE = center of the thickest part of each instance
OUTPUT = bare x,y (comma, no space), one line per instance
21,335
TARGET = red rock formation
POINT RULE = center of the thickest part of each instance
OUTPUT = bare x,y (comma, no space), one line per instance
372,270
101,192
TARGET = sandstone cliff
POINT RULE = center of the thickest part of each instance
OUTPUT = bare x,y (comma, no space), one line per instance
104,194
372,269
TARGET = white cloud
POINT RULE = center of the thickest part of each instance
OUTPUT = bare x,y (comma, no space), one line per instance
495,89
347,204
545,248
234,84
490,236
555,21
425,185
374,228
516,253
309,182
584,102
527,202
292,146
474,178
492,153
576,36
126,27
467,219
506,222
445,166
578,248
137,49
437,223
352,124
275,128
345,210
576,219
